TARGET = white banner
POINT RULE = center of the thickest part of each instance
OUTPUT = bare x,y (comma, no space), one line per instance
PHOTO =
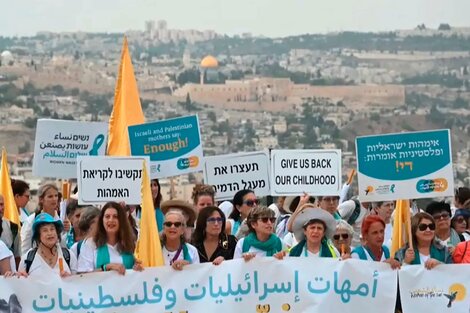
445,288
233,172
104,179
262,285
58,144
317,172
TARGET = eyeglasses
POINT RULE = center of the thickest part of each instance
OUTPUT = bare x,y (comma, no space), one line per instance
213,220
423,227
443,216
251,202
343,236
460,220
169,224
26,196
266,219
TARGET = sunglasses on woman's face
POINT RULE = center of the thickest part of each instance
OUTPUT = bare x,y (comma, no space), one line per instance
460,220
251,202
169,224
342,236
213,220
443,216
423,227
266,219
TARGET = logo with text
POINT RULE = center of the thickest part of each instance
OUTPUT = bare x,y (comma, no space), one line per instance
185,163
432,185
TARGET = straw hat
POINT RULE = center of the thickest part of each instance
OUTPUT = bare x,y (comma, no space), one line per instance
184,206
307,213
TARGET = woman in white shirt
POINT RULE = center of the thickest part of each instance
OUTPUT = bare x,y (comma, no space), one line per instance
261,241
47,258
7,261
112,246
373,249
176,252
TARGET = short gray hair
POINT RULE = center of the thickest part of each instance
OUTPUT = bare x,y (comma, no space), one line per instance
343,225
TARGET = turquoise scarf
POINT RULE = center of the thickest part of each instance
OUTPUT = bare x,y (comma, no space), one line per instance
235,227
438,254
270,246
103,258
325,249
159,217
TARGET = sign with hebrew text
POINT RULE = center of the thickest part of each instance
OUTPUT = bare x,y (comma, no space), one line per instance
405,166
104,179
233,172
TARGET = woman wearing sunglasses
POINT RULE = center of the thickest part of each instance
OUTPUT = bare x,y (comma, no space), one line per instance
176,252
243,201
313,227
343,237
261,241
210,239
426,250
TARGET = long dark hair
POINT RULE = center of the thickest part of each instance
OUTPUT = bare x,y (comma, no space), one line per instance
200,231
238,200
125,237
158,199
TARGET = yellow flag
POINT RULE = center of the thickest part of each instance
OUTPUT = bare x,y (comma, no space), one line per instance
11,211
127,110
149,248
401,226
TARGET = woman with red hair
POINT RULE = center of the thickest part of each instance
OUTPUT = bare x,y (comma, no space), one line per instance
373,249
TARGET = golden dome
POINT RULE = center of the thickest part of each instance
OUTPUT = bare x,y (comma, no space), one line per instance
209,62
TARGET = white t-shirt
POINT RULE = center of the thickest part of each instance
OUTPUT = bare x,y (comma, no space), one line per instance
369,257
423,258
388,235
7,238
290,240
169,255
40,268
89,252
6,253
239,249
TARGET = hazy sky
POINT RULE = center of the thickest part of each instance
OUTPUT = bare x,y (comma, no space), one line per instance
267,17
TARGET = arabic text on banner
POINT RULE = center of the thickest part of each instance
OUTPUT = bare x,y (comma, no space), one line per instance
264,285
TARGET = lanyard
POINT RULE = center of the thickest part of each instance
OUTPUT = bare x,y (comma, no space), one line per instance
176,255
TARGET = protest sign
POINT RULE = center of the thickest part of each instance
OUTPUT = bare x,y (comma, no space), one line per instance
299,285
233,172
445,288
58,143
104,179
174,145
316,172
404,166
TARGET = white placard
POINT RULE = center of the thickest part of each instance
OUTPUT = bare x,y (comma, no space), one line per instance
58,143
104,179
233,172
445,288
316,172
293,285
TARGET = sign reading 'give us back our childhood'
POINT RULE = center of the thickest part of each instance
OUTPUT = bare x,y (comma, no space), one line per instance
316,172
405,166
174,145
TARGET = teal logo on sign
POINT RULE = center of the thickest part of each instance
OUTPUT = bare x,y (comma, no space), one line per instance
403,156
165,140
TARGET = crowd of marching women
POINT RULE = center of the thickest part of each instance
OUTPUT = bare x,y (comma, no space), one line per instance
197,231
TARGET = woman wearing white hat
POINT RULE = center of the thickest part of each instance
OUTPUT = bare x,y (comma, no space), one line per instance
313,227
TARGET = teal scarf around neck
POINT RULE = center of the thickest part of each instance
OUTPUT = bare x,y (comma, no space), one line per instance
435,254
325,250
270,246
103,258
